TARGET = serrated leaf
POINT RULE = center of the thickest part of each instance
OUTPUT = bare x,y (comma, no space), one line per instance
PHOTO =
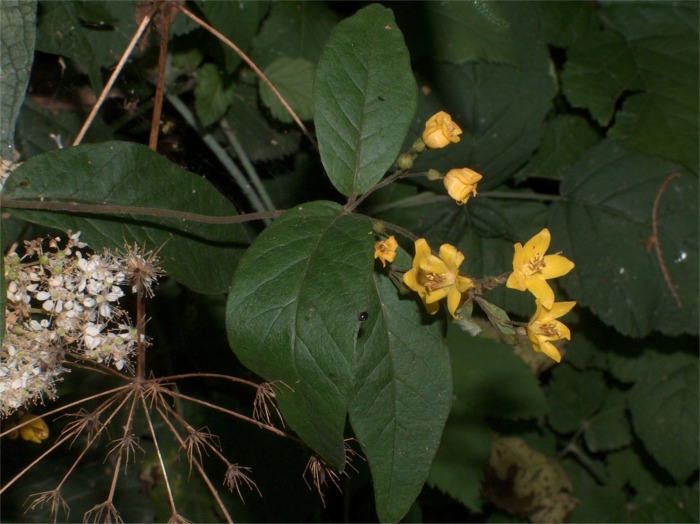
238,21
292,316
458,32
294,79
260,141
609,428
294,29
564,23
364,99
489,380
626,467
665,415
650,52
201,256
17,35
459,465
604,222
501,108
574,396
565,139
211,97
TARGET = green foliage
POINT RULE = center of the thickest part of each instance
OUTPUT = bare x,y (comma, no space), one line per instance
111,174
364,96
582,118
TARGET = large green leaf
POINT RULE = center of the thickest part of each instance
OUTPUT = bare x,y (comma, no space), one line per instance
604,223
17,32
664,407
293,316
500,107
458,32
365,98
651,53
293,29
401,398
202,256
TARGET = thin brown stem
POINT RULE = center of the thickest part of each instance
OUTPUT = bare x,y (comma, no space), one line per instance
657,244
152,430
115,74
164,29
199,467
235,414
255,69
74,207
211,375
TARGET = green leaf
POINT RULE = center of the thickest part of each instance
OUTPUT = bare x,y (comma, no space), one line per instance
564,23
609,428
565,139
626,468
211,97
238,21
459,465
292,316
574,396
490,381
649,52
665,414
365,98
294,79
500,107
604,222
401,396
17,34
201,256
458,32
293,29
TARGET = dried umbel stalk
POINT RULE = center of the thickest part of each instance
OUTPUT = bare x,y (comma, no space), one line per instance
63,304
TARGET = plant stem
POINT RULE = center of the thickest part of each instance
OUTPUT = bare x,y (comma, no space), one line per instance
247,164
519,195
221,154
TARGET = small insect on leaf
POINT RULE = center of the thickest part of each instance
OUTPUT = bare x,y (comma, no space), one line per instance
363,316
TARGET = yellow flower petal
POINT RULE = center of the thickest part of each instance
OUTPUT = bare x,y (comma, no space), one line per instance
461,184
440,131
385,250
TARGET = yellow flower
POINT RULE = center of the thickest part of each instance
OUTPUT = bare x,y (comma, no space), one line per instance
385,250
544,328
35,431
461,184
435,278
440,131
532,268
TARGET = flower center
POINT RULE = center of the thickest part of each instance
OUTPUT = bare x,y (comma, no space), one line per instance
534,265
433,281
549,330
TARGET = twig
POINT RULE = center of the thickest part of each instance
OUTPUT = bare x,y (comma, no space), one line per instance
655,239
255,69
74,207
113,78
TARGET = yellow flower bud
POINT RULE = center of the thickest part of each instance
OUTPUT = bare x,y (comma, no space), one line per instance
440,131
461,184
385,250
35,431
434,174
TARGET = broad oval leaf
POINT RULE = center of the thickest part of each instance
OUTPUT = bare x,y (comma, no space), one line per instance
604,224
292,315
307,309
201,256
365,98
294,79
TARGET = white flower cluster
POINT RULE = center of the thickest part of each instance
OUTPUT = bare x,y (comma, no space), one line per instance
61,302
